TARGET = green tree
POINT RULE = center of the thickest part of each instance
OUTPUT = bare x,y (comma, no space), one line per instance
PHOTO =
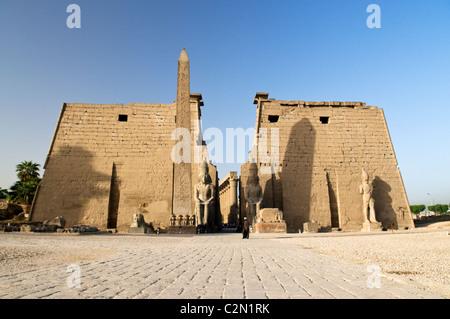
3,193
416,209
27,171
22,192
443,208
438,208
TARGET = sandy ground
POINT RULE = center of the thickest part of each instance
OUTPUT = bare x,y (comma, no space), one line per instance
422,255
25,254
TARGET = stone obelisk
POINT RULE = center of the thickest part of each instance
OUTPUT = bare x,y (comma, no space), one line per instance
182,188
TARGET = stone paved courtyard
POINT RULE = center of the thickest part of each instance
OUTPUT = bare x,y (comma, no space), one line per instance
202,266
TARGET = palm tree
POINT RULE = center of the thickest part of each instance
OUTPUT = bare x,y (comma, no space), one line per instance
27,171
3,193
23,192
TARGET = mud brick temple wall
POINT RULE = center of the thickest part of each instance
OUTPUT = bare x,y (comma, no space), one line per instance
323,147
107,162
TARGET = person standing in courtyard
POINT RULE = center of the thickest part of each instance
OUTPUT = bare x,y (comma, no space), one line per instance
245,229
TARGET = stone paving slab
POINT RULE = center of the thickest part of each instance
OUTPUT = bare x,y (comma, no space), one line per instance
212,266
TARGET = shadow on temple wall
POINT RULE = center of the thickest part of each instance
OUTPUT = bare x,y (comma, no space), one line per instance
297,171
217,212
114,199
232,215
273,192
384,211
332,195
72,188
268,200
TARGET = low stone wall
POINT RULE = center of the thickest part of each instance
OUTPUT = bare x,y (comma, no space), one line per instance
431,219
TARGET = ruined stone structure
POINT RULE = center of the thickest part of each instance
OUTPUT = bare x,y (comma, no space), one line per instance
314,174
107,160
270,220
228,187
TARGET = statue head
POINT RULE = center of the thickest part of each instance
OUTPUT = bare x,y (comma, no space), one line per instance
253,174
204,169
253,169
203,175
365,176
205,179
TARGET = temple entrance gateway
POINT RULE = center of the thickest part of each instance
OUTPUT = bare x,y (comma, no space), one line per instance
303,171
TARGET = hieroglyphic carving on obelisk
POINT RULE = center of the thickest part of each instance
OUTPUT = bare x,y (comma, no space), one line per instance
182,188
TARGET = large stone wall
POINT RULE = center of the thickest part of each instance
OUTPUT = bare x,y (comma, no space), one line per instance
97,162
322,148
100,171
107,162
228,198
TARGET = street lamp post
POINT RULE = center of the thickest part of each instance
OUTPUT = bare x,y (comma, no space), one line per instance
431,199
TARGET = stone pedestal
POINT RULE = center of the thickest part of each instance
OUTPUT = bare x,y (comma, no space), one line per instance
311,227
137,230
269,215
371,226
316,227
185,229
270,220
275,227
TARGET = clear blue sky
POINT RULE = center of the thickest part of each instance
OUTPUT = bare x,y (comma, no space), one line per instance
127,51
